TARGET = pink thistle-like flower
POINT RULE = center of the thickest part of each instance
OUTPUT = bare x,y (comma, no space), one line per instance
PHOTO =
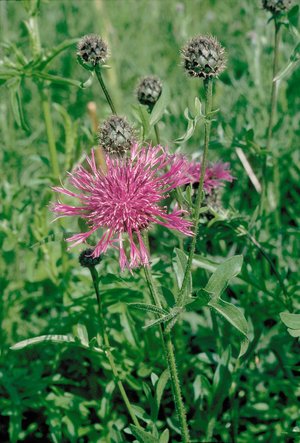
125,200
215,175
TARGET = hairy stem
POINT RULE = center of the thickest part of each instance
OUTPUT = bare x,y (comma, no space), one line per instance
171,361
199,199
108,352
104,89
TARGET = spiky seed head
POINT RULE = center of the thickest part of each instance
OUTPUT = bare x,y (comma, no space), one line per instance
86,260
203,56
149,90
116,136
277,6
93,50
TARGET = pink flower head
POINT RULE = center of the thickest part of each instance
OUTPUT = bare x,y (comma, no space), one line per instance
125,200
215,175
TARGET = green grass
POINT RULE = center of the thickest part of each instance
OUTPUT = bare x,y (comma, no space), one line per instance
57,393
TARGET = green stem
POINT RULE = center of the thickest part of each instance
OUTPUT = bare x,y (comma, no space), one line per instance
104,89
208,107
108,352
273,106
50,132
171,361
156,130
34,35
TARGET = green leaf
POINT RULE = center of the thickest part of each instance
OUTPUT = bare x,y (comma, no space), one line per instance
192,121
199,301
149,308
188,133
291,66
179,266
56,79
223,274
294,332
143,117
292,321
43,338
143,436
164,438
159,107
160,320
231,313
235,317
293,16
204,263
160,387
81,333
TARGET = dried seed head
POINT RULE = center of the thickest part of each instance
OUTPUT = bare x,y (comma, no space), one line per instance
203,56
149,90
116,136
277,6
86,260
93,50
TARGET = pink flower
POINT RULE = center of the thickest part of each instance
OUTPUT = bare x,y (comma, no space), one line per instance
125,199
215,175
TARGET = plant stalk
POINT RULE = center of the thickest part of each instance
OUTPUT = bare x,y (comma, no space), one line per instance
104,89
171,361
108,352
199,199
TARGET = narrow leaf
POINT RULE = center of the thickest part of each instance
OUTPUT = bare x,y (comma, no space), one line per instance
143,436
160,387
43,338
160,320
235,317
164,438
180,267
81,333
149,308
159,107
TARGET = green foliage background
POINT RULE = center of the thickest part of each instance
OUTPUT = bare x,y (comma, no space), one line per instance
58,393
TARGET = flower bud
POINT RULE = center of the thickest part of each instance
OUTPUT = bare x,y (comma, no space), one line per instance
149,90
86,260
203,56
116,136
277,6
93,50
